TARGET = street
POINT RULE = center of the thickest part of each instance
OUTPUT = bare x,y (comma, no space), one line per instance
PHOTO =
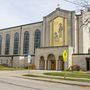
9,81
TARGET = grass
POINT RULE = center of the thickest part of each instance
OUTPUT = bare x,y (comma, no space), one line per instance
74,74
2,67
59,78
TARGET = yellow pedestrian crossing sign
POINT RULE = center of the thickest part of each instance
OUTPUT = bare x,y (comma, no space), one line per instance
65,55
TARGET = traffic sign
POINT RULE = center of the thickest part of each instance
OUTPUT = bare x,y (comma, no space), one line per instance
65,55
29,58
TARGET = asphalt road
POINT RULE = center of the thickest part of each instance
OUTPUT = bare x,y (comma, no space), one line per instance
9,82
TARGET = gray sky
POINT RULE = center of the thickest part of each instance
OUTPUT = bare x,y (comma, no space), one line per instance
18,12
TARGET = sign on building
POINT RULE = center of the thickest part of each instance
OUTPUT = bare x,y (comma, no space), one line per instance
65,55
29,58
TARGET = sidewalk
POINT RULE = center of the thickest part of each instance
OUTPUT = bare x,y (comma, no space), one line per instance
49,78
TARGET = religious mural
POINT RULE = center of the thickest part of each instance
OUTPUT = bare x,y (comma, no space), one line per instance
58,29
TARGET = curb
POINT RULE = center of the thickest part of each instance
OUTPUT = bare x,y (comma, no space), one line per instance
54,81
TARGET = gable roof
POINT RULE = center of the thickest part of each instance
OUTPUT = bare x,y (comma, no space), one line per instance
58,9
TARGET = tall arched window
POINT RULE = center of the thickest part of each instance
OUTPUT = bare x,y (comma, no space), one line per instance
0,43
16,43
37,39
26,43
7,44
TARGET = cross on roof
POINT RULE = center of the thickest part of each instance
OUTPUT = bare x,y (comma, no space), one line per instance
58,5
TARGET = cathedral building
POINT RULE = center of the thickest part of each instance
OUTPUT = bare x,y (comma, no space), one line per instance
61,40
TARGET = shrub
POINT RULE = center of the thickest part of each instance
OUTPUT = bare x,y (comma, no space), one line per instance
6,65
31,66
75,68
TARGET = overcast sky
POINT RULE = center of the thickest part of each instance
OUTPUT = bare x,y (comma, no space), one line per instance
18,12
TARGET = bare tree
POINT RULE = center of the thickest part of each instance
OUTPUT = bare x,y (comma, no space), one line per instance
81,3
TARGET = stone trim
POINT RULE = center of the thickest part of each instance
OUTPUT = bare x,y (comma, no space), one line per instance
81,54
12,55
53,47
58,9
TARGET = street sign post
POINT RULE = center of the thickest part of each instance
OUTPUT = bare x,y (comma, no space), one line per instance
29,61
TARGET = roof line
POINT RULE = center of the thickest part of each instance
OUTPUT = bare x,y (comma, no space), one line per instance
59,9
21,25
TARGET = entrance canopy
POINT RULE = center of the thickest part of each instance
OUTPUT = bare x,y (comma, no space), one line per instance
53,58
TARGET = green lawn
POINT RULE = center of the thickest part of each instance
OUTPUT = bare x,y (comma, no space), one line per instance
74,74
9,68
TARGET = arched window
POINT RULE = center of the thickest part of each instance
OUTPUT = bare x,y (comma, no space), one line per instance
0,43
7,44
26,43
16,43
37,39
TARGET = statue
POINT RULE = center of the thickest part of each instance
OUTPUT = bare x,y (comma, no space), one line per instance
60,30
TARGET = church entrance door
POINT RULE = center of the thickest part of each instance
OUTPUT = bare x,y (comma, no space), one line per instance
51,62
88,64
53,65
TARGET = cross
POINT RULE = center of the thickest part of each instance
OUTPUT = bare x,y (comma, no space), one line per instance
58,5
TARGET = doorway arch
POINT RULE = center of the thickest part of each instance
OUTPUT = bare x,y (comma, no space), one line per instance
51,62
42,63
87,63
61,63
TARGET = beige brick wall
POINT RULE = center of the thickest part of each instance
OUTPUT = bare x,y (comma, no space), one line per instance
80,60
56,51
21,29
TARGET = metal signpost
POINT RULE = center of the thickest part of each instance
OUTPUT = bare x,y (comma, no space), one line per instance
29,61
